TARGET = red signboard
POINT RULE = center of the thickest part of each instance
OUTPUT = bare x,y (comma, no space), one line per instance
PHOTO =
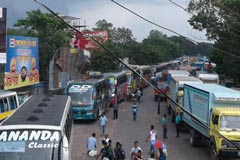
84,42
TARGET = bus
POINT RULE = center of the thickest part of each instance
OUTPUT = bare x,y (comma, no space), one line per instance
146,72
8,103
133,80
39,129
90,98
118,84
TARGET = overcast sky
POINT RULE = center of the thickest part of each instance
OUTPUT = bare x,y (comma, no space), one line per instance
161,12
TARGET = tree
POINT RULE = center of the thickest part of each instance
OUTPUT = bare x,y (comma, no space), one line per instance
221,20
51,33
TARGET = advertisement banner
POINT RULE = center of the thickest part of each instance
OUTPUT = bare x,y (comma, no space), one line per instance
22,67
84,42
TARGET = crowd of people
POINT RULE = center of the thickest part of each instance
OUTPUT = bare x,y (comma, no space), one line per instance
157,147
158,150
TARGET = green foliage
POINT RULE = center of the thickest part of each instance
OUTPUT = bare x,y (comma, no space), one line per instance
51,33
221,20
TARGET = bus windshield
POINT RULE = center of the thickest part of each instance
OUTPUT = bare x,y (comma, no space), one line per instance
81,94
129,79
29,145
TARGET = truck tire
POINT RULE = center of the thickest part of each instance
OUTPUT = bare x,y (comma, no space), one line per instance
193,138
214,155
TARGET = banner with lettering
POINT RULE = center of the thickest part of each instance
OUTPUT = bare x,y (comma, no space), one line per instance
84,42
22,67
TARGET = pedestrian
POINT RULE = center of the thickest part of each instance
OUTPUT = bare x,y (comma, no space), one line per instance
159,102
103,121
162,154
141,89
153,137
116,151
106,138
139,95
121,153
92,145
135,150
113,100
115,111
152,157
134,111
164,125
129,93
139,155
177,123
105,152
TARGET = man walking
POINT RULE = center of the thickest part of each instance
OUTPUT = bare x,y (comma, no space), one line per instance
103,121
177,123
139,95
115,111
153,137
164,125
134,111
135,150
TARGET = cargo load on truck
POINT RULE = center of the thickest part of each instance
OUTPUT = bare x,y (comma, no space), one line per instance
217,107
208,77
176,91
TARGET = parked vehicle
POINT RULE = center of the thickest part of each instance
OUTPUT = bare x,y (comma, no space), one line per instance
38,130
176,91
208,77
218,108
90,97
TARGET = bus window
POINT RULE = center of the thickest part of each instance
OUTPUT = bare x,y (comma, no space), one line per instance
1,106
12,102
5,104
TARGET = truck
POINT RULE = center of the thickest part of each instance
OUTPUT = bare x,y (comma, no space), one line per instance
176,91
218,108
208,77
176,73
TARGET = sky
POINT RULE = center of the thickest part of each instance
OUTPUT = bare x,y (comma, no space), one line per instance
162,12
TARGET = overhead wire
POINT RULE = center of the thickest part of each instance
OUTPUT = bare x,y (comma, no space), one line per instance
172,31
131,69
185,111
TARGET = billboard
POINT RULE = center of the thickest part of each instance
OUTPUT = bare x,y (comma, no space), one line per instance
3,19
84,42
22,67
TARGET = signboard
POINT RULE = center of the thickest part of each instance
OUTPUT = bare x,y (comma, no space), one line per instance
22,68
3,30
84,42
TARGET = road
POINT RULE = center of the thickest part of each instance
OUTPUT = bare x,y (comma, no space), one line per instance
126,131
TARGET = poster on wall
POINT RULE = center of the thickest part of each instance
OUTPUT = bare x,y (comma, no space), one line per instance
22,67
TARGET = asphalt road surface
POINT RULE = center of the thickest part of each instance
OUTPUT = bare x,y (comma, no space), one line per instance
126,131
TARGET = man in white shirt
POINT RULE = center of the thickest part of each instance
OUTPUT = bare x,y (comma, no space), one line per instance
135,150
153,137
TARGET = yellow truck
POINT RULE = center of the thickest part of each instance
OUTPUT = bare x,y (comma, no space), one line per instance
218,108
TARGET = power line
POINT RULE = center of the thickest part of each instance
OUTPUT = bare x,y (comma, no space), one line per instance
185,111
176,4
155,24
128,67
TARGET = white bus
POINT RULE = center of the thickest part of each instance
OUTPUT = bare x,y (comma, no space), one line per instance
8,103
38,130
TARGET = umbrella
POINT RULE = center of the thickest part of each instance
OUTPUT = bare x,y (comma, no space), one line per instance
158,144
